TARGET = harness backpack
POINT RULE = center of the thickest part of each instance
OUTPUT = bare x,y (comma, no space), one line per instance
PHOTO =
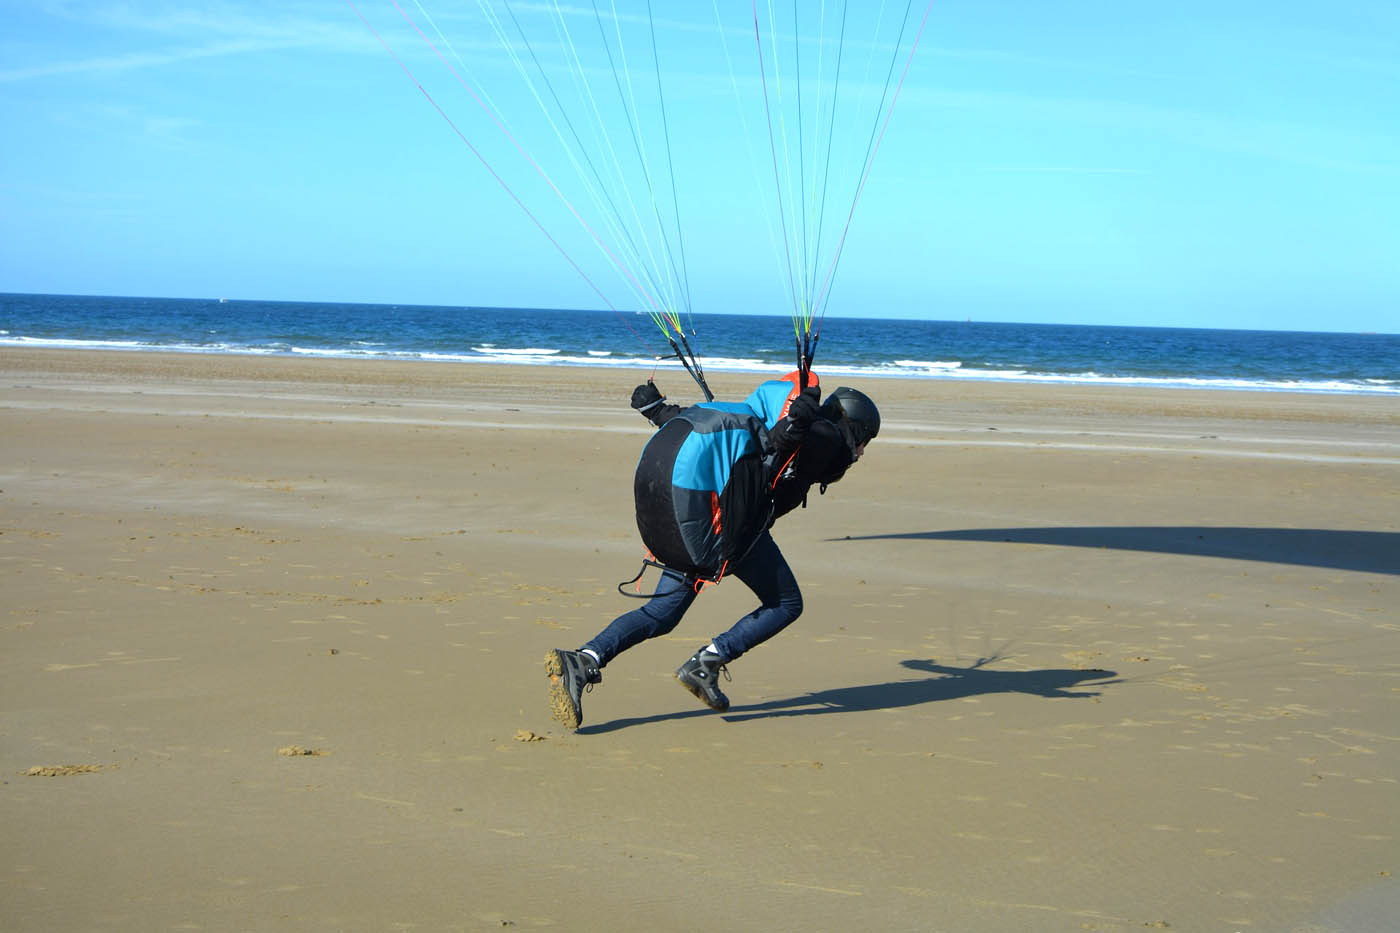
703,485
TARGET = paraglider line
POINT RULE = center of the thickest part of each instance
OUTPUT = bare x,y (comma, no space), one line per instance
692,366
830,136
487,165
540,171
865,176
777,178
671,168
604,194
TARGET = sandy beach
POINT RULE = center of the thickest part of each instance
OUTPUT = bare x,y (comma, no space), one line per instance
1073,658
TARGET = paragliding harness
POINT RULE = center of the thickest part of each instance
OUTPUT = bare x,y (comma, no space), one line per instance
704,485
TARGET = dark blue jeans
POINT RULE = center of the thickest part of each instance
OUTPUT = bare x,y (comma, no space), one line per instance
764,570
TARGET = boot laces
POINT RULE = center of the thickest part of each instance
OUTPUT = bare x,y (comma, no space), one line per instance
707,665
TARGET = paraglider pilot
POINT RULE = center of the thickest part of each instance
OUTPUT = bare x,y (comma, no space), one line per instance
770,450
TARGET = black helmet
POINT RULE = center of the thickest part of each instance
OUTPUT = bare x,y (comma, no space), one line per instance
856,408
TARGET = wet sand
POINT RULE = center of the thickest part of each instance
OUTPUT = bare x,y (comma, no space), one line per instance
1073,659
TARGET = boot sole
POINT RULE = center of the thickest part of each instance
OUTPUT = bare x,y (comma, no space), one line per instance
561,705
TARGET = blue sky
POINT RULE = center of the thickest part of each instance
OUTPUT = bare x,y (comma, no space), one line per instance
1189,164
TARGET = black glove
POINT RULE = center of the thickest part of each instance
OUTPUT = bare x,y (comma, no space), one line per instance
646,396
806,407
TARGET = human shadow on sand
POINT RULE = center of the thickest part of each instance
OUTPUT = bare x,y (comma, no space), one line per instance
948,683
1366,551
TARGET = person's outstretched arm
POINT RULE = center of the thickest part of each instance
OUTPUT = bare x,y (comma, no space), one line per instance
648,400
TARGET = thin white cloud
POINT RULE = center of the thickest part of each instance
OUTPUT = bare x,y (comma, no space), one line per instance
1059,170
147,59
1343,146
239,20
121,125
183,33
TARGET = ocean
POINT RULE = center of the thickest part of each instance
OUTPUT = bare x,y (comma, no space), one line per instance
863,347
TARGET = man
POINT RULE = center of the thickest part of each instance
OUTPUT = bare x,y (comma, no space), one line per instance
810,443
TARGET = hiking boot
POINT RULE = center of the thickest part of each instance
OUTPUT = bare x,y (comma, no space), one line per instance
571,674
700,675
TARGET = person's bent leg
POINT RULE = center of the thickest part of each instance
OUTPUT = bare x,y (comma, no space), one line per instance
573,673
657,616
765,571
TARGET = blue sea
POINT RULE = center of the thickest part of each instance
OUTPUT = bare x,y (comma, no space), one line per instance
949,350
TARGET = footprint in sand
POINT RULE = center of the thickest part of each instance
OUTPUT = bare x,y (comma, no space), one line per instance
62,770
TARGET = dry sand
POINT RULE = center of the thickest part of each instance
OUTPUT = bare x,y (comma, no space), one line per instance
1073,659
